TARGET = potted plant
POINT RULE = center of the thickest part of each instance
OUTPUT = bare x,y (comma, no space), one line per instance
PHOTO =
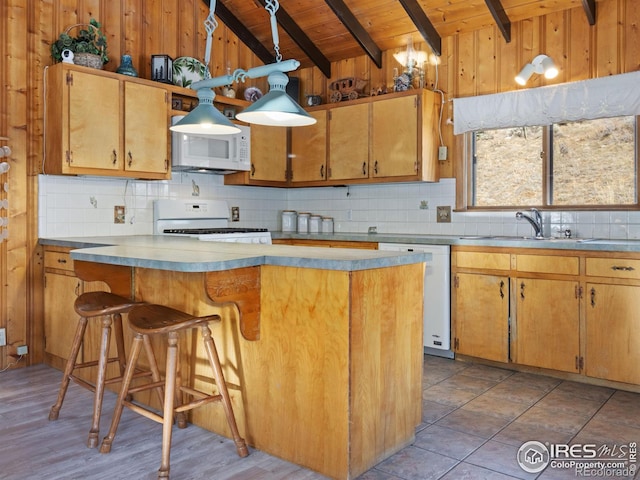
89,46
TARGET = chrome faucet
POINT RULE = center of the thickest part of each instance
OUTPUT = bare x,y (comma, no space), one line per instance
535,220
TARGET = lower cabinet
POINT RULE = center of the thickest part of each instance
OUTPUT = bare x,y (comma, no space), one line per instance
61,288
546,331
612,332
482,316
567,311
612,348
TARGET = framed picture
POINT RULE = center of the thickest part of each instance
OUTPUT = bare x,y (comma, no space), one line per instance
229,112
162,68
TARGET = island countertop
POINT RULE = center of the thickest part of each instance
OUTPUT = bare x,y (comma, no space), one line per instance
192,255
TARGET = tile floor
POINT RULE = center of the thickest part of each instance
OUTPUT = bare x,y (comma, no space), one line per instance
475,418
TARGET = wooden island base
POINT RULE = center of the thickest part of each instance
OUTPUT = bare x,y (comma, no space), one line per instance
324,366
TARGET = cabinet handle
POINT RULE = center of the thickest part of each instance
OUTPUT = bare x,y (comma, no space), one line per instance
625,269
593,297
114,156
321,171
502,289
364,168
522,290
253,169
375,167
130,158
62,260
78,289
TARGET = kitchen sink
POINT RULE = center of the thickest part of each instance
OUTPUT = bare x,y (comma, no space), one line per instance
533,239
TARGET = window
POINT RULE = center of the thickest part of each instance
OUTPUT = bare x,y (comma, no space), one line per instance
574,164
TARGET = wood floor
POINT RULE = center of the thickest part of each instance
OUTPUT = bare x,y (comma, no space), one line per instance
32,447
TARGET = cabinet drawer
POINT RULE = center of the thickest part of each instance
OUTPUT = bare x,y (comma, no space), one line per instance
485,261
544,264
58,261
613,267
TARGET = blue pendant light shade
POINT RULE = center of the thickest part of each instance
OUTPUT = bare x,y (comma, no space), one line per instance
276,108
205,119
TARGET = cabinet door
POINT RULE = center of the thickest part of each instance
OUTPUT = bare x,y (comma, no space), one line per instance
60,319
394,137
146,129
612,347
268,153
546,331
309,150
93,122
481,316
349,142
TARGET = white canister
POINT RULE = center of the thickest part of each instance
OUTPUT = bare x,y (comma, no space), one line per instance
303,222
315,223
327,225
289,221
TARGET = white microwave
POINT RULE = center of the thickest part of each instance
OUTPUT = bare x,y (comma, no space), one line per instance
211,153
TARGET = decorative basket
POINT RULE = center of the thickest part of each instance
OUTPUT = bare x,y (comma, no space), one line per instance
88,60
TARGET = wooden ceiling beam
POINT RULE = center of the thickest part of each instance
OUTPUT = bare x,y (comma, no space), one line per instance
590,10
303,41
501,18
356,29
245,36
423,24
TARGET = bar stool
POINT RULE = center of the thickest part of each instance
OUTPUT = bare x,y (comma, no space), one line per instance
110,308
147,320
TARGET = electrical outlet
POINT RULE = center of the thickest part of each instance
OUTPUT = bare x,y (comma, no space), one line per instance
235,214
443,214
3,337
118,214
442,152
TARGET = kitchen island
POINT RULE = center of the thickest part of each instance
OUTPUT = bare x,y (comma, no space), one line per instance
322,348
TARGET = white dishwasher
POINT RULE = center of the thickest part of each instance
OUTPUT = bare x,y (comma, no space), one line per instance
437,296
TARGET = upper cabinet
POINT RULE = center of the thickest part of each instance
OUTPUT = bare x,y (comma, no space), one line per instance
388,138
268,159
101,123
308,152
348,134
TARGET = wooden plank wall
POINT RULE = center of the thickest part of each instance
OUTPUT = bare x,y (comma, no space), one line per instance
472,63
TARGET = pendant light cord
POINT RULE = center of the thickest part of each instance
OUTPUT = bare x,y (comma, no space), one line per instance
272,7
210,24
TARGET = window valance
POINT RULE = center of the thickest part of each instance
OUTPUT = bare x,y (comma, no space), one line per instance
611,96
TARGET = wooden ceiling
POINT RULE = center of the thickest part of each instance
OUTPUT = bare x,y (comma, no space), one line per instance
318,32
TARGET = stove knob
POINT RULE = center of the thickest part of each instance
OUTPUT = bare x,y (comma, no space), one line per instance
264,240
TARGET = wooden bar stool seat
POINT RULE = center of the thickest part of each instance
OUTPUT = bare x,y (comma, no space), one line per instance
109,307
147,320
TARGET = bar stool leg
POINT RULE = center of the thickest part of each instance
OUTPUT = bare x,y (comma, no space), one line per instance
153,366
94,432
68,369
214,360
118,330
169,398
124,389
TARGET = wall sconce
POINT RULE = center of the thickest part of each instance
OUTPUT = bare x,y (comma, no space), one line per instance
413,62
542,64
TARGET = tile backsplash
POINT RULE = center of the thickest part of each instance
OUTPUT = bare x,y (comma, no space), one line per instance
84,206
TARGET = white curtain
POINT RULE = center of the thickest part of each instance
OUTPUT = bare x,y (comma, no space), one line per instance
610,96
